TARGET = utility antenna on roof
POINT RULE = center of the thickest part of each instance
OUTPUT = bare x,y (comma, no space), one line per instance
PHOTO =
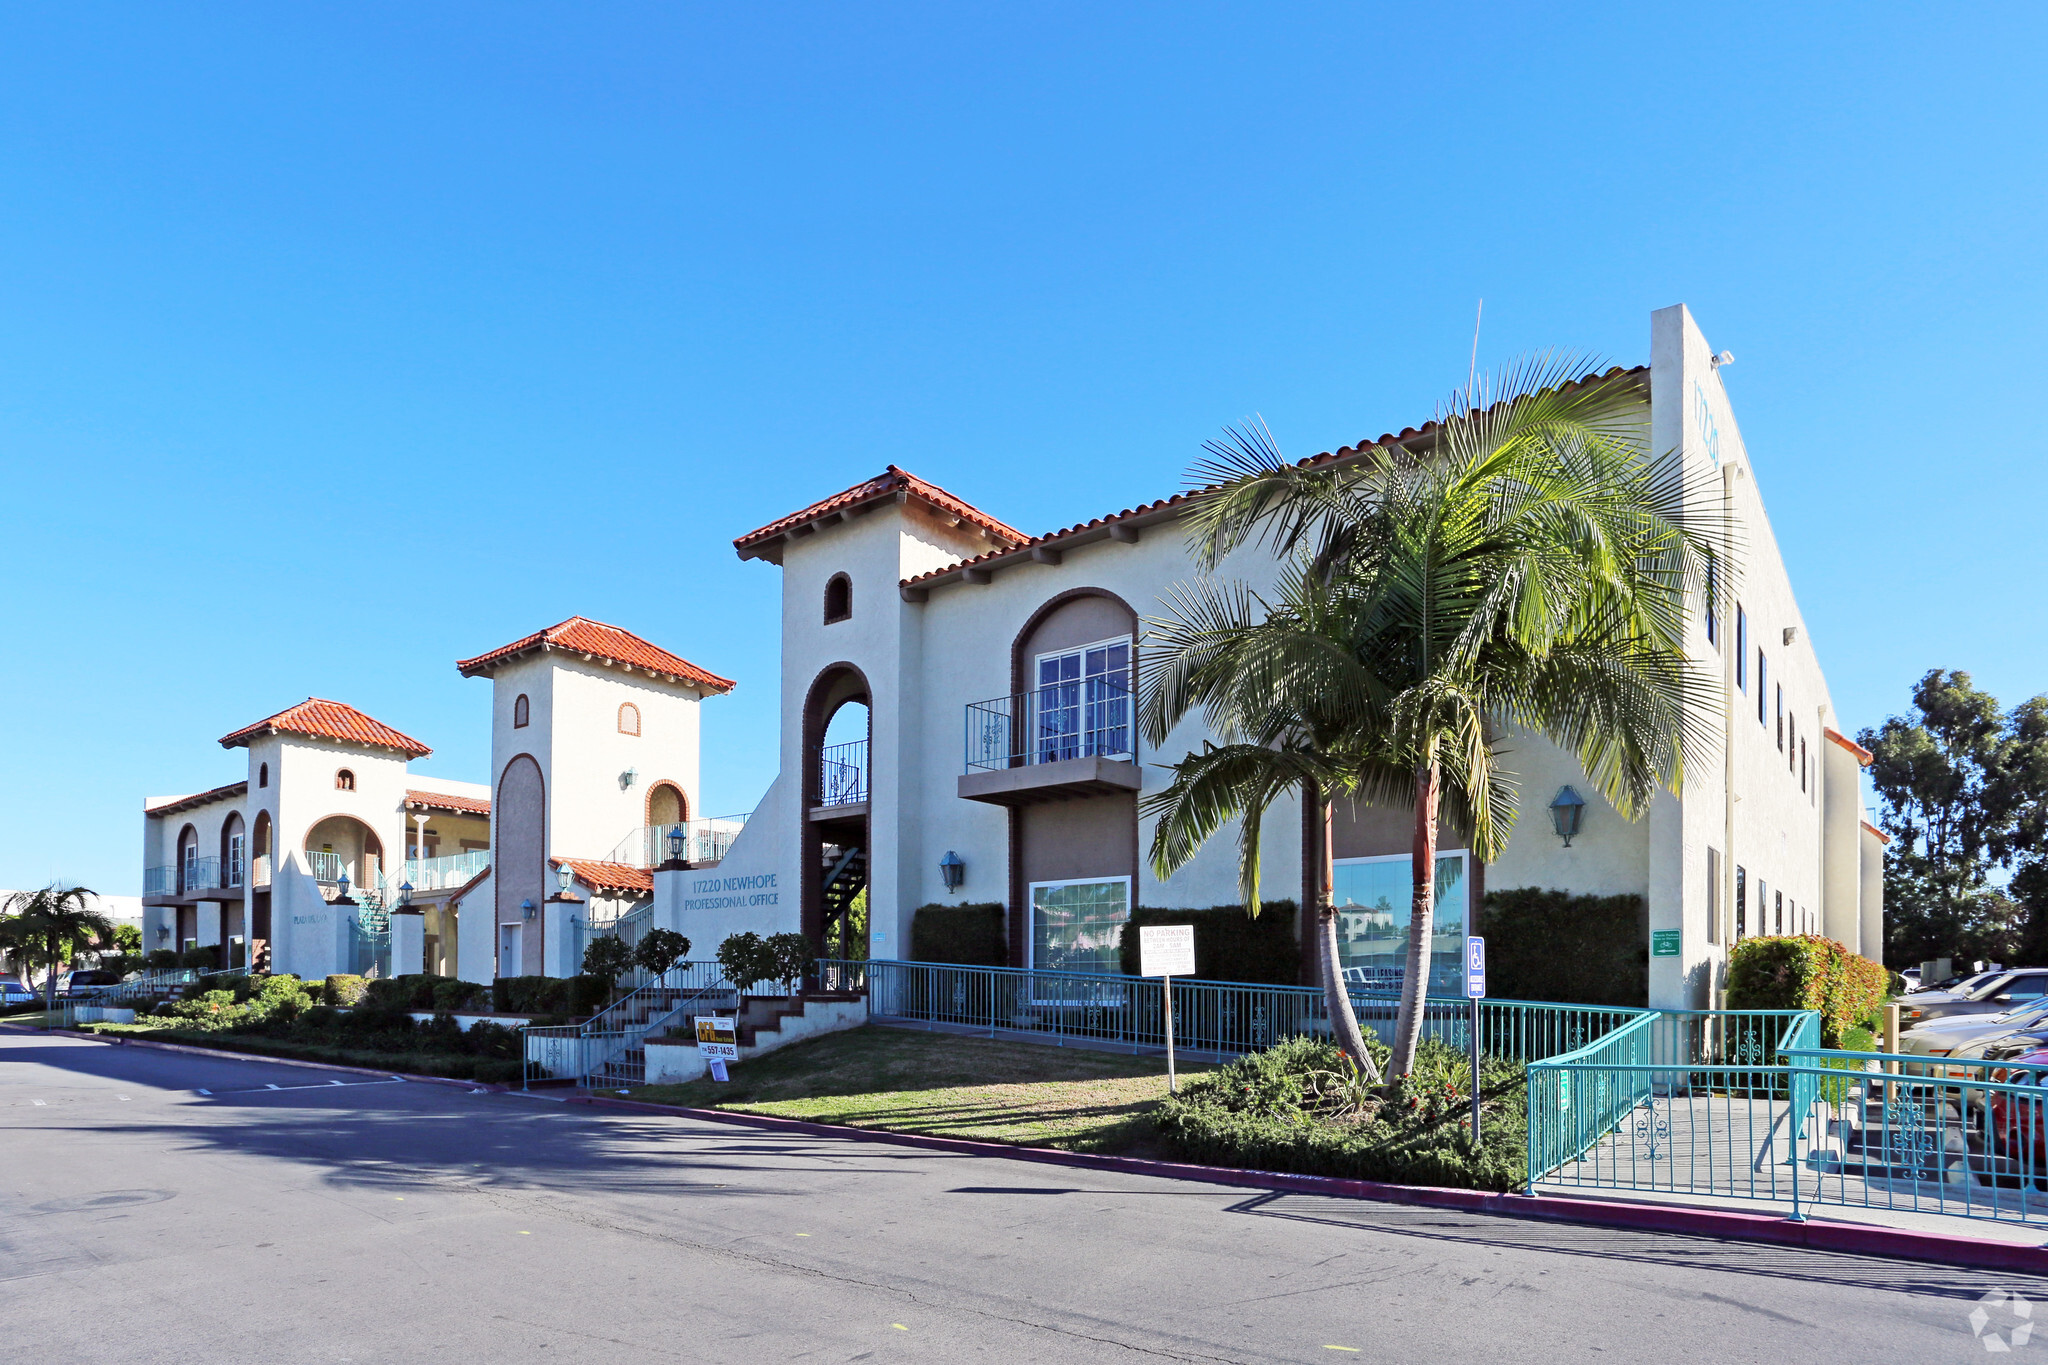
1472,375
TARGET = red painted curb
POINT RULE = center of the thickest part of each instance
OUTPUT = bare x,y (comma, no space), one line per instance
1852,1238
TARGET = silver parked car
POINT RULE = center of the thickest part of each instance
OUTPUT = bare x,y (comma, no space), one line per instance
1950,1036
2006,991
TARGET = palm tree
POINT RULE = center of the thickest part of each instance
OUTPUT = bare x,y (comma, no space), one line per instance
52,926
1528,569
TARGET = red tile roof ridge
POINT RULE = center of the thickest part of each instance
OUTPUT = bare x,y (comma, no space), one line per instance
892,479
1350,452
1863,755
196,798
1873,829
600,874
474,805
321,718
580,634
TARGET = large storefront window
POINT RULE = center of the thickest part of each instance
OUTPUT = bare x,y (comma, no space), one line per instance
1078,926
1374,896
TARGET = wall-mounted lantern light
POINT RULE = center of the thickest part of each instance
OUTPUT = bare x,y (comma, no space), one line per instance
675,844
952,870
163,932
404,894
628,778
526,909
1566,809
565,876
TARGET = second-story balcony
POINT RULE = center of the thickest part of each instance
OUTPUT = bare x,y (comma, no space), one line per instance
843,774
704,842
447,872
195,879
1053,743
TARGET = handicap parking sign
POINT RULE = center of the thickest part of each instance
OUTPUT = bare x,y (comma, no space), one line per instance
1475,968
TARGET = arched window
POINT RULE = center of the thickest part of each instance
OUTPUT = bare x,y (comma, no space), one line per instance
629,718
519,712
344,780
838,598
262,774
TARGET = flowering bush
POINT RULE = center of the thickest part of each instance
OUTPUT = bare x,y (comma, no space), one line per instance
1807,972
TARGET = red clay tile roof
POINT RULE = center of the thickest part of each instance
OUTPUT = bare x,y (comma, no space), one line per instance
466,805
887,484
1020,551
581,635
603,876
329,720
198,798
1863,755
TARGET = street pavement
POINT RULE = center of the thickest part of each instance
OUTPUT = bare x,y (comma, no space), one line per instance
162,1207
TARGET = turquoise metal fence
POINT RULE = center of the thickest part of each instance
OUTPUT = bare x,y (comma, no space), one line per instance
608,1048
1213,1019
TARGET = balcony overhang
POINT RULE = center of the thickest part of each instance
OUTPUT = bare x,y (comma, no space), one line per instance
1064,780
846,810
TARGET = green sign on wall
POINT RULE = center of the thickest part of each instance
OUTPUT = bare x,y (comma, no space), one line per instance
1664,943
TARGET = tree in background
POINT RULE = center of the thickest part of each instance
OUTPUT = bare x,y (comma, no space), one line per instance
52,926
607,958
659,950
1965,793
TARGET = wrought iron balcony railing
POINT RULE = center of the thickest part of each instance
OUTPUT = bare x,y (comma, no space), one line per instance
1083,718
843,776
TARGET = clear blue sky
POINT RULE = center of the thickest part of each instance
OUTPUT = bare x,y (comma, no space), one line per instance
338,342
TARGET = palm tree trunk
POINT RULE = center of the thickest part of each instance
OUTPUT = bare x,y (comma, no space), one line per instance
1336,999
50,985
1421,914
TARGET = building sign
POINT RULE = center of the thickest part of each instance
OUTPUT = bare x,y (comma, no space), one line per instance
1664,943
733,893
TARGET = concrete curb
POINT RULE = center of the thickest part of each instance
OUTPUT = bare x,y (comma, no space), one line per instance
1814,1235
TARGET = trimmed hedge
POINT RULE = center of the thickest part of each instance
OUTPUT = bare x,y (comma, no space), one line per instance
577,995
1807,972
344,989
1575,950
970,935
499,1070
425,991
1229,944
1261,1112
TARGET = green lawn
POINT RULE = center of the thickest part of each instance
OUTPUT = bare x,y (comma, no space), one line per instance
909,1081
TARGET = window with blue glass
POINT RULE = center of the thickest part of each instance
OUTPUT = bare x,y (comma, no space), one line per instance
1083,703
1374,897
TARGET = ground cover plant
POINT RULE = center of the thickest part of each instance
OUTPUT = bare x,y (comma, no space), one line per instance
1303,1106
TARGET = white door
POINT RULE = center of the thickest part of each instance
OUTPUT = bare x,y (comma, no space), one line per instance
509,961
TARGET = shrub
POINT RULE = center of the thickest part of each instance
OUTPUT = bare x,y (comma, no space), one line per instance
660,949
605,958
205,959
970,935
450,994
745,960
1229,944
343,989
1807,972
163,959
536,995
1553,945
789,958
1298,1106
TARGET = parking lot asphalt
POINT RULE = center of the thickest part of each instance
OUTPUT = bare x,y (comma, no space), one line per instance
165,1207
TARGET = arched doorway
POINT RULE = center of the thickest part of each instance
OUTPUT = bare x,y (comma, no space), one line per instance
259,892
836,830
666,806
343,845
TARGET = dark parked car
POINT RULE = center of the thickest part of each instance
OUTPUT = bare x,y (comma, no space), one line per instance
88,984
14,993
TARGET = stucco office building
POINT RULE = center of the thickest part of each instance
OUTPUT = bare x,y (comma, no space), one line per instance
957,726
